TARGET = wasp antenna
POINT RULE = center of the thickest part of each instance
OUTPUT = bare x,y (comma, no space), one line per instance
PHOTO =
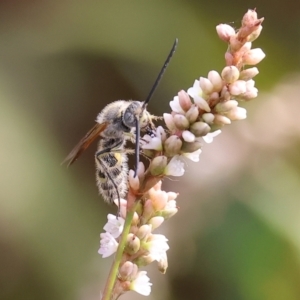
137,145
161,73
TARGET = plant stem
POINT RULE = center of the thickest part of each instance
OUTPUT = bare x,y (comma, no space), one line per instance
110,283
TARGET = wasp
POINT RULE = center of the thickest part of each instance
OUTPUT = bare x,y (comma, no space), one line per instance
117,123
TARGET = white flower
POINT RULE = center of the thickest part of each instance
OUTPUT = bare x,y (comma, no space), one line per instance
141,284
155,142
157,246
195,90
171,204
194,156
108,244
196,93
114,225
210,136
170,209
175,105
152,142
175,167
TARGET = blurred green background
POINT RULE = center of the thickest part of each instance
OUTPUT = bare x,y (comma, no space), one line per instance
237,233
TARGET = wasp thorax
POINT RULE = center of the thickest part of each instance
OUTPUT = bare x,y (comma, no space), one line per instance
146,120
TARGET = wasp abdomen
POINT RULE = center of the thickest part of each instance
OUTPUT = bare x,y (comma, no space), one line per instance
111,169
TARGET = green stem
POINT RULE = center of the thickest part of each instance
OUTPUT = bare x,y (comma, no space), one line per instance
110,283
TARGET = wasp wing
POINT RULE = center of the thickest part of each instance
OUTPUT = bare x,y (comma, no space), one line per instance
85,142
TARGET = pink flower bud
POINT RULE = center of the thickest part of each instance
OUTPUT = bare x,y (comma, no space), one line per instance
206,86
214,96
255,34
225,32
168,118
208,118
200,129
249,17
192,114
144,232
246,47
201,103
156,221
237,113
181,122
228,59
248,73
238,87
216,80
251,91
158,165
148,211
221,120
144,260
159,199
133,181
253,56
188,136
250,94
172,145
190,147
250,84
226,106
230,74
184,100
133,244
169,213
141,170
128,271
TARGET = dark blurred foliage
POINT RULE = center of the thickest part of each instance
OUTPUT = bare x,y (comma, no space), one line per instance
236,235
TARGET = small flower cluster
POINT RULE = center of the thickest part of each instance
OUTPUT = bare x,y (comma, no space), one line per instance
197,115
142,246
211,103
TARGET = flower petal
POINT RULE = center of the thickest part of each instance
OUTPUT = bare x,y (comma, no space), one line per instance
108,245
175,167
141,284
210,136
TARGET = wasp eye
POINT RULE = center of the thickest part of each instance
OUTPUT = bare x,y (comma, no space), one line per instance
130,114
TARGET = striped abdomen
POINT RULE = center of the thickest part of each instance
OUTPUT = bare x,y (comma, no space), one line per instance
111,169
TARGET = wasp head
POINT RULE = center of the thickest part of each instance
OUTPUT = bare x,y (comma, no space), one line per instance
136,111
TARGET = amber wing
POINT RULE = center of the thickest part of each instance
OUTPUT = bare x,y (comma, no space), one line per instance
85,142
